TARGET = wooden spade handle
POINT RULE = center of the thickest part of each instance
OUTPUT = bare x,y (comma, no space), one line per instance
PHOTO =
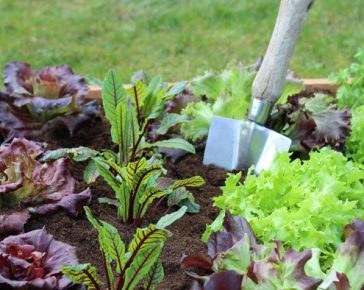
269,82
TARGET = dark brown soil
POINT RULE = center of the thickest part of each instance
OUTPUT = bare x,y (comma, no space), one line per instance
186,231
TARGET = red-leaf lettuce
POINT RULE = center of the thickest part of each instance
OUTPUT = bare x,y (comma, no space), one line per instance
237,261
33,261
312,122
43,188
33,98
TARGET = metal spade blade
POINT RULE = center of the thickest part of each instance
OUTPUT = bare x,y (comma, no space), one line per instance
232,144
235,144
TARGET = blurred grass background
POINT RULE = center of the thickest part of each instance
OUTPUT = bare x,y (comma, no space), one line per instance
177,39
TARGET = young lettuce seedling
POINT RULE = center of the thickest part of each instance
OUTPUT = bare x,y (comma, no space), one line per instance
139,262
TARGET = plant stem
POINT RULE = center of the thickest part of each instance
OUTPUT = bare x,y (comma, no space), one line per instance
106,270
137,104
131,259
158,203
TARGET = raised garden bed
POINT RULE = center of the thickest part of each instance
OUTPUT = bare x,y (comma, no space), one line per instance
187,231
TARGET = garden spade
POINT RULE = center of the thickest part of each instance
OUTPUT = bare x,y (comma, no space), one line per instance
237,144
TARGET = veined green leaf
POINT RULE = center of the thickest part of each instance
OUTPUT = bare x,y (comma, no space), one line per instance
123,196
112,95
154,96
143,175
91,218
104,170
90,173
150,195
137,93
175,143
194,181
169,219
147,237
83,274
157,111
115,248
113,166
176,89
169,121
154,276
127,128
144,250
141,265
77,154
182,197
131,170
108,201
147,198
111,245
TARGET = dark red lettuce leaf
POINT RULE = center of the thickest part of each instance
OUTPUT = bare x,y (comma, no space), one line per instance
197,262
312,122
72,203
349,259
227,280
13,223
43,187
235,255
180,101
287,268
33,261
34,98
235,227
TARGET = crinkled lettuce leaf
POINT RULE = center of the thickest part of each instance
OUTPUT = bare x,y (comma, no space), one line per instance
42,187
351,91
355,143
234,253
305,204
227,94
312,122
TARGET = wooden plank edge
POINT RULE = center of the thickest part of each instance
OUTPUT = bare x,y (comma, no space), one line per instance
317,84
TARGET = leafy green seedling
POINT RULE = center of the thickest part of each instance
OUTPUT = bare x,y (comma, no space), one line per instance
132,111
137,185
139,262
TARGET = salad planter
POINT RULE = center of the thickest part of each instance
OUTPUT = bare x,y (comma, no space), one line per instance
94,133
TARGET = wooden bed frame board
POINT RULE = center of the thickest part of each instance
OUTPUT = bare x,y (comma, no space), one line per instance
318,84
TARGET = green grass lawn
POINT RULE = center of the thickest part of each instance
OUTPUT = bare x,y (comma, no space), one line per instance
177,39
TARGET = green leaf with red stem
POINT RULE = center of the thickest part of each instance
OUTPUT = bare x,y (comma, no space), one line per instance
154,276
106,172
84,274
147,198
112,95
145,249
194,181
